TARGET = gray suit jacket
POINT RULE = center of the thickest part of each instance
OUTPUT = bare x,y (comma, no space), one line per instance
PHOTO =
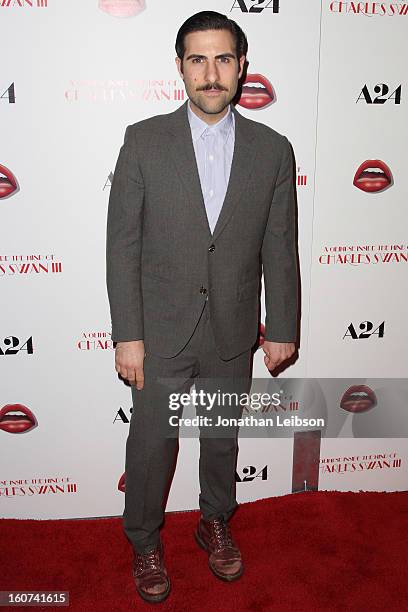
162,260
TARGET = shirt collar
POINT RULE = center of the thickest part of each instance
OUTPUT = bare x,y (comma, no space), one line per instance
198,126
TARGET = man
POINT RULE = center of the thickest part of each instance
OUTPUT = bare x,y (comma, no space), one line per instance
200,198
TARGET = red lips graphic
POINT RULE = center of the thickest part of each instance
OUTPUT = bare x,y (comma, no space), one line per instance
8,182
122,8
256,97
373,175
122,483
358,398
16,423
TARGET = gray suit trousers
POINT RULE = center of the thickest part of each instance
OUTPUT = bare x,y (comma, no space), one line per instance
152,442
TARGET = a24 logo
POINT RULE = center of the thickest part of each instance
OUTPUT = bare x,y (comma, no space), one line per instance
249,473
366,331
255,6
9,94
382,90
13,346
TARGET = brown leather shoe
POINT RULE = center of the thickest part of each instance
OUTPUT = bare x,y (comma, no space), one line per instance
224,556
149,572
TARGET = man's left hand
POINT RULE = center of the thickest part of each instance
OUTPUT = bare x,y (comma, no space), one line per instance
276,353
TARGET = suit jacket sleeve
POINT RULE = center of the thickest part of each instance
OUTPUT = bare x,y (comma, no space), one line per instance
123,244
279,257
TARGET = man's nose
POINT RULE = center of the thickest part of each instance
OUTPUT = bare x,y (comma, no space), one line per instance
211,73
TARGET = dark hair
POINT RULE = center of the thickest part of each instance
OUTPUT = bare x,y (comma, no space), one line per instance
210,20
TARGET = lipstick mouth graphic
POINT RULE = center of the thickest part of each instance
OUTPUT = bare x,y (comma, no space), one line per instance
122,8
122,483
373,176
16,418
257,92
358,398
8,183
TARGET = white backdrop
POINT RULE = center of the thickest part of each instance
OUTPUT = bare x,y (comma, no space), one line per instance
77,73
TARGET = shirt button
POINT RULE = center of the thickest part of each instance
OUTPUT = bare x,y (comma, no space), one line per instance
211,157
211,193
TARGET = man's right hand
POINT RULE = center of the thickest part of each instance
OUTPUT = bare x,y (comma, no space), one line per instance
129,357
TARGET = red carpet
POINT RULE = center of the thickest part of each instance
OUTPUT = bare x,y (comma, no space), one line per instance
308,551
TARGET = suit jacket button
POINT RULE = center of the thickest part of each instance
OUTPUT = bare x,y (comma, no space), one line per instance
203,289
212,248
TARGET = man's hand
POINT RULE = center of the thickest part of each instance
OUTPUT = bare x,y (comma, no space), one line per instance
129,357
276,353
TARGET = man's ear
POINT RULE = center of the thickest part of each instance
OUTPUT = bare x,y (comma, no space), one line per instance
241,65
179,65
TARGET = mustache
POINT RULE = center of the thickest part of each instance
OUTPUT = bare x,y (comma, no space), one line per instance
212,86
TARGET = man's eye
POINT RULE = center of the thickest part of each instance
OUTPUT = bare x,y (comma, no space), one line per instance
225,60
196,60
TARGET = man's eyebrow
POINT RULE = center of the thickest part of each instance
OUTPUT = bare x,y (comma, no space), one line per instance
194,55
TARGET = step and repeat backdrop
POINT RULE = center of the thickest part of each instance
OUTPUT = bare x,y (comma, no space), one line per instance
330,76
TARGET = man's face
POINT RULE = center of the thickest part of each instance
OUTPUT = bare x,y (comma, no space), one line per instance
210,71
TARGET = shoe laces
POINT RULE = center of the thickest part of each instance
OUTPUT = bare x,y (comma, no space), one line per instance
222,533
152,559
149,560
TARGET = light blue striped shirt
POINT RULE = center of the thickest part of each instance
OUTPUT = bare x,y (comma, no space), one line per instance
214,148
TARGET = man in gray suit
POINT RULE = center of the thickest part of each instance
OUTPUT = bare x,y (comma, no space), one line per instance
202,202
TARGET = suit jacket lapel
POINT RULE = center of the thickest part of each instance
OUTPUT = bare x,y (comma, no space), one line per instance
183,154
243,161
